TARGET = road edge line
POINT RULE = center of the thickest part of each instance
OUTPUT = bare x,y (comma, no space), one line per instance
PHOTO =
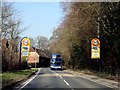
29,80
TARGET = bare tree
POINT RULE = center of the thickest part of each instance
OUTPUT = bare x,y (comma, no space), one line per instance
11,28
32,41
41,42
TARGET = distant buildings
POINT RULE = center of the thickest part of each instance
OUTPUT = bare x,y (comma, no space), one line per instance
38,58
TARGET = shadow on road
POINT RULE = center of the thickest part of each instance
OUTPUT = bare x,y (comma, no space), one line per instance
58,69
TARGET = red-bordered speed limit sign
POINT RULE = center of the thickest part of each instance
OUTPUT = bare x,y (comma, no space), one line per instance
95,48
95,42
25,42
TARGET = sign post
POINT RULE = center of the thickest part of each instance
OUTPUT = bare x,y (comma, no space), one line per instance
95,48
24,49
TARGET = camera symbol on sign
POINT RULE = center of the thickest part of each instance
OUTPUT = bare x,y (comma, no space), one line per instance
26,48
95,47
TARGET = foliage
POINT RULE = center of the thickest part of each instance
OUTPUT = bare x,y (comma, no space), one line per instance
110,35
79,27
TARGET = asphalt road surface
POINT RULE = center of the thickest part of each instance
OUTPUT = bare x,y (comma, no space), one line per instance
56,79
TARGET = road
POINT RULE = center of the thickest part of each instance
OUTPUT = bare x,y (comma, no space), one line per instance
53,79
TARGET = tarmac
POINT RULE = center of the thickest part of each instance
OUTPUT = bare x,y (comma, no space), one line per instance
106,82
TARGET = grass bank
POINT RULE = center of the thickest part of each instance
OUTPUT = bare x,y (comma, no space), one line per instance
10,78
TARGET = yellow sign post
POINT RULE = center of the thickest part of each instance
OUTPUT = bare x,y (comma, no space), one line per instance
95,48
25,47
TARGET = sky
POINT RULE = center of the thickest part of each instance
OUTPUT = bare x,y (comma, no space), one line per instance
40,17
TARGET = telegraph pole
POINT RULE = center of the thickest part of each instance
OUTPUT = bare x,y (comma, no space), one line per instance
98,30
1,25
20,53
0,42
98,35
0,35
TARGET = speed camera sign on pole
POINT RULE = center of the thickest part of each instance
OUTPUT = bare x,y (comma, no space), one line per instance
25,47
95,48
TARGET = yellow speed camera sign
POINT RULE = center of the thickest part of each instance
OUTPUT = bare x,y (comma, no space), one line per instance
95,48
25,42
25,47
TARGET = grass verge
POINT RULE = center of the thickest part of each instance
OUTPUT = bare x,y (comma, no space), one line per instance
10,78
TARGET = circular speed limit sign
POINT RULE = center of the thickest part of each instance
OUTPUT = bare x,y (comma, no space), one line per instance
95,48
25,42
95,42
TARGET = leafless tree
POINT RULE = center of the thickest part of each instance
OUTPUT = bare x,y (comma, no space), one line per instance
11,28
41,42
32,42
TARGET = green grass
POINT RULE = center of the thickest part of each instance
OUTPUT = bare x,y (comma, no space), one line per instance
9,78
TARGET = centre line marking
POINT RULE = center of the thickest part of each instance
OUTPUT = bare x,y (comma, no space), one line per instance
63,79
66,82
60,76
56,74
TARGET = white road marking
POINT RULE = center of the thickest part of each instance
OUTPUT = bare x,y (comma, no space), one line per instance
29,80
62,79
66,82
60,76
57,74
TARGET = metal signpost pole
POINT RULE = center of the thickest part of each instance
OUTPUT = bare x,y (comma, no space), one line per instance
20,54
